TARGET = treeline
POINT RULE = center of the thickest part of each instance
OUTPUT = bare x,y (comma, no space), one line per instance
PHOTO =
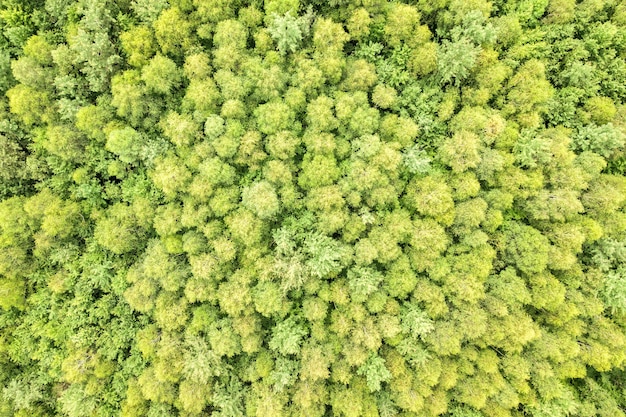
312,208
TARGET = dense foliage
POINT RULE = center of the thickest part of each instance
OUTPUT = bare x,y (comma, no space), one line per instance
312,208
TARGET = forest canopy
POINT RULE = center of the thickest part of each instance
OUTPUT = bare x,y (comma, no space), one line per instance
313,208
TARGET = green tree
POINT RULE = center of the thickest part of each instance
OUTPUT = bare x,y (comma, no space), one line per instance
431,197
287,336
93,51
161,75
360,76
261,199
273,117
289,31
461,151
126,143
328,36
529,92
129,96
401,24
148,11
603,140
170,175
180,129
173,32
119,230
375,372
526,248
455,60
359,24
31,105
230,34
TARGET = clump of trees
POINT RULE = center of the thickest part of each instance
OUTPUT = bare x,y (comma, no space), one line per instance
309,208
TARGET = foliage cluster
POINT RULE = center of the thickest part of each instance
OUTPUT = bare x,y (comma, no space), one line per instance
312,208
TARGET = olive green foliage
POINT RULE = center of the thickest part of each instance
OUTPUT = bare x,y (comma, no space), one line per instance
315,208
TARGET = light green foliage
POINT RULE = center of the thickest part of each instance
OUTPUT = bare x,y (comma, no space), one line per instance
287,337
64,142
362,282
361,75
245,227
5,71
425,58
328,36
529,92
284,374
416,160
197,66
139,45
39,49
29,72
474,27
230,34
224,341
268,298
213,127
359,23
119,231
605,194
93,51
415,322
12,165
401,23
365,120
126,143
170,175
531,150
181,130
274,117
556,205
430,197
282,145
148,10
375,372
601,109
261,199
75,402
320,114
280,6
29,104
470,214
526,248
271,208
461,152
318,171
128,96
161,75
603,140
455,60
325,255
608,257
91,120
288,31
384,96
173,31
